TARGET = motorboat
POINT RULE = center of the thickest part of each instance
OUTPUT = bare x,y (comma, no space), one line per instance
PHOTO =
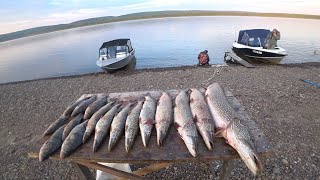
252,44
115,54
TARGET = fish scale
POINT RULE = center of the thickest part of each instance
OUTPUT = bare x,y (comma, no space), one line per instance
132,126
202,117
147,119
164,117
232,127
102,127
94,119
184,123
95,106
118,126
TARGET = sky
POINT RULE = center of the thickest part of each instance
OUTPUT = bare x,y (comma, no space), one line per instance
22,14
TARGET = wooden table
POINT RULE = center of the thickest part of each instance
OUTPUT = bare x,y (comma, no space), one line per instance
172,151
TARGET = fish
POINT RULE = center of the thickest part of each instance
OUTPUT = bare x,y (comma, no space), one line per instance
202,117
94,119
51,145
95,106
147,119
231,126
118,126
73,140
67,112
183,122
102,127
219,107
83,106
164,117
72,123
56,125
132,126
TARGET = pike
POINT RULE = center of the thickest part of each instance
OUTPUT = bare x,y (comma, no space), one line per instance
132,126
102,127
94,119
95,106
232,127
117,126
83,106
184,123
164,117
72,123
51,145
56,125
74,140
146,119
202,117
64,116
70,108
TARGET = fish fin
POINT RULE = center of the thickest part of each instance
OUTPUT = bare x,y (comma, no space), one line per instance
176,125
149,121
158,103
219,133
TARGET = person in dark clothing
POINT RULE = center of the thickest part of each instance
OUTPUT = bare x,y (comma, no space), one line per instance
203,58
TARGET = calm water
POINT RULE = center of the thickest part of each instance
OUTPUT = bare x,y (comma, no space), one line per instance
158,42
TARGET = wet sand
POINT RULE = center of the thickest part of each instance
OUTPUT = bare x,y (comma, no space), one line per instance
286,109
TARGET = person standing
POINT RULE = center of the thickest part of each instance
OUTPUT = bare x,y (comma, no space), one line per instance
203,58
272,39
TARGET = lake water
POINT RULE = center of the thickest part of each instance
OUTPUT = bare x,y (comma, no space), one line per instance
166,42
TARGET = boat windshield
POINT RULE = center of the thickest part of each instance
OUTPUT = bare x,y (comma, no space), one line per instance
253,37
121,51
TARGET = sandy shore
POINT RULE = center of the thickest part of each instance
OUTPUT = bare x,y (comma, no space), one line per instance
287,110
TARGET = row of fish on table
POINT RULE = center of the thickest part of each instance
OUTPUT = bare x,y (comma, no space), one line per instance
191,112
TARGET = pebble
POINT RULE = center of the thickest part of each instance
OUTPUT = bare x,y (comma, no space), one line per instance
284,161
313,155
276,170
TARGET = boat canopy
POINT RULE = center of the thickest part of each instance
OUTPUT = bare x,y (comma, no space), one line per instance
253,37
117,42
117,48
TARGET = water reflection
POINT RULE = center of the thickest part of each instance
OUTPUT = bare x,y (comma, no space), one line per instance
163,42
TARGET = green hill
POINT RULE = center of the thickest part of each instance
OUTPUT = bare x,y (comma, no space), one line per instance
141,15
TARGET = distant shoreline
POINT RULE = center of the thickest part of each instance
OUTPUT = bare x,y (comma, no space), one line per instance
141,16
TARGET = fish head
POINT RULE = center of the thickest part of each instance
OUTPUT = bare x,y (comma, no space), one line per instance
249,156
191,143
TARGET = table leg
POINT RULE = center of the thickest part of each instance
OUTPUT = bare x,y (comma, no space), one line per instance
110,170
83,171
227,167
151,168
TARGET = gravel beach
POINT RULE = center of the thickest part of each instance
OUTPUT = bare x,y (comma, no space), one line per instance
286,108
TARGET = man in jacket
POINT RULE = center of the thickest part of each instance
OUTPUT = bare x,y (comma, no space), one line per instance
272,39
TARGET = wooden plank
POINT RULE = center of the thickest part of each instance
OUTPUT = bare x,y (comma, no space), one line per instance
110,170
151,168
83,171
227,167
239,59
173,149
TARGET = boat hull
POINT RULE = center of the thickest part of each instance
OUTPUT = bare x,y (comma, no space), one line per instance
116,63
259,54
